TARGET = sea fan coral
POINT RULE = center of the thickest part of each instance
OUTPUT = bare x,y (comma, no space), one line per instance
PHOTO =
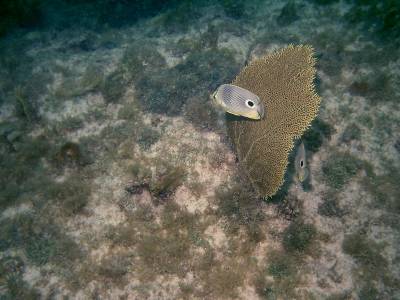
284,82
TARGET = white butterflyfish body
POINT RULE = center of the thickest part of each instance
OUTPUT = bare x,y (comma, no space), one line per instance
239,101
300,163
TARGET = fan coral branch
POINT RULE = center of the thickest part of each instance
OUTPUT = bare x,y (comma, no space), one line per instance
284,82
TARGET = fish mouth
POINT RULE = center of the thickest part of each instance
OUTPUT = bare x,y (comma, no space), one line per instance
261,112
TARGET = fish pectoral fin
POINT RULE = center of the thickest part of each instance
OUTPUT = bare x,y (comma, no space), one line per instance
306,173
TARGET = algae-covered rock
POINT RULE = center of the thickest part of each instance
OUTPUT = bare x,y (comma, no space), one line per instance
284,82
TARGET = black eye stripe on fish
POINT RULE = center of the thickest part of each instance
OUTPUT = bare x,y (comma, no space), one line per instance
301,171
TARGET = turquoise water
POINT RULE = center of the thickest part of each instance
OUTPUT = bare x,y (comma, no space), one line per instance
121,179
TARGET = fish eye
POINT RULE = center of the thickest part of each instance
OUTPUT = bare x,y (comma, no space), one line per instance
250,103
301,163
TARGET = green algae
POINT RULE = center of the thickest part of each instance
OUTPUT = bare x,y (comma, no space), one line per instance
340,296
167,182
72,195
202,115
240,206
12,283
324,2
68,153
378,87
298,237
146,137
380,17
140,58
330,208
316,134
41,240
167,90
369,292
340,168
24,107
284,268
91,79
281,265
299,240
372,269
114,87
166,247
288,14
290,208
350,133
18,166
168,254
384,187
233,9
180,17
115,267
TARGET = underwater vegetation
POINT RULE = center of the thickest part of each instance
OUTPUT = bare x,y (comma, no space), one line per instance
285,266
69,153
324,2
109,202
382,17
73,86
167,90
173,246
288,14
184,88
181,16
384,187
298,237
42,240
352,132
113,87
147,137
200,114
366,252
19,160
167,182
12,282
234,9
268,142
316,134
340,168
239,205
284,271
330,206
178,18
72,195
288,206
24,107
377,88
372,267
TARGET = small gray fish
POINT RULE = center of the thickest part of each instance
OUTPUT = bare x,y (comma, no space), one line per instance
300,163
239,101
